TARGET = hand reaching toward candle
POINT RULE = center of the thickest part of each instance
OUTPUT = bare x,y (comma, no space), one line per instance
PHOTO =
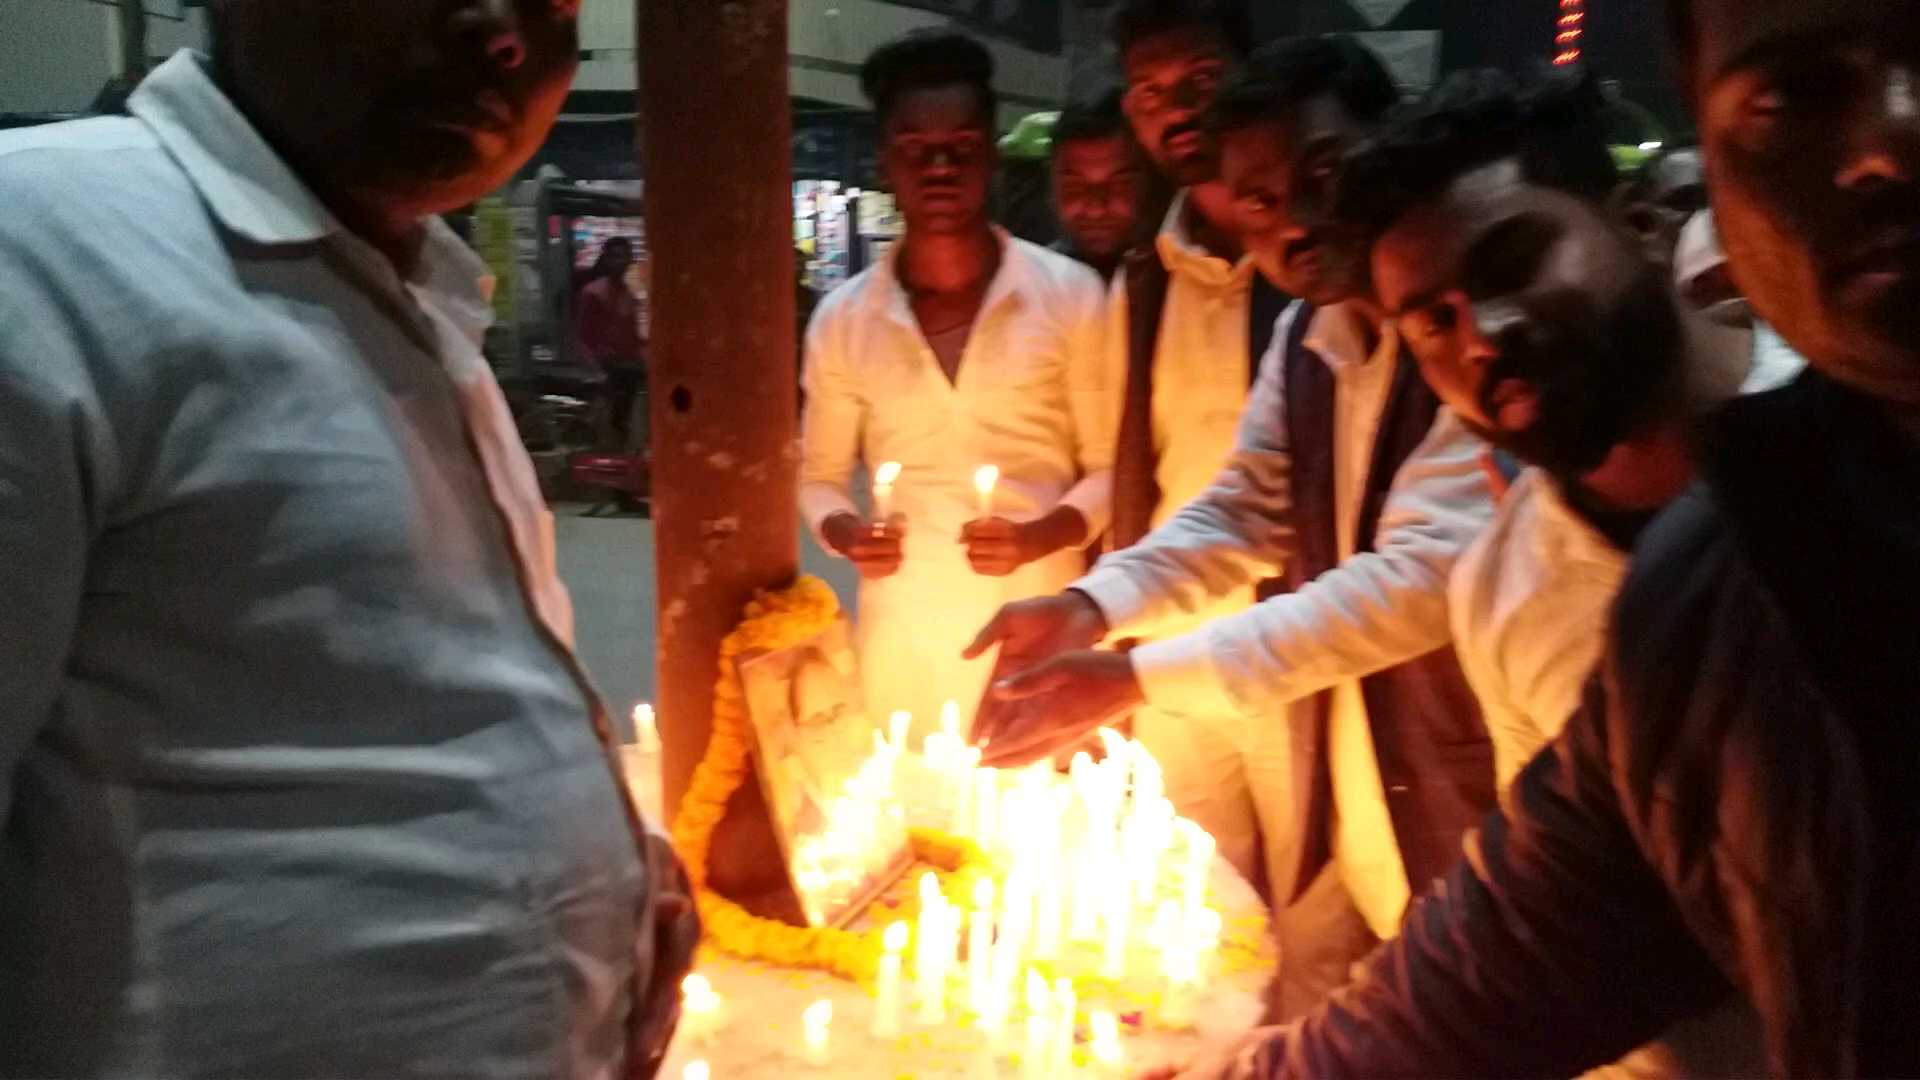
1030,633
873,549
1052,706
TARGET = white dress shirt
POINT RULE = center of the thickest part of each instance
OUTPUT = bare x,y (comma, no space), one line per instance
1375,610
297,772
1530,598
1201,379
1035,395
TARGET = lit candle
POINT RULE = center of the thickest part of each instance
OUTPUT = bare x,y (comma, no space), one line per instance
980,948
1035,1061
646,729
986,803
696,1070
1065,1013
817,1024
1113,958
1200,848
883,479
699,1008
950,719
898,725
1104,1035
929,962
886,1010
985,479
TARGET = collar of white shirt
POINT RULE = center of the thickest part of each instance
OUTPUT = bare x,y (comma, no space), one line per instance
1016,277
256,196
1180,254
1338,335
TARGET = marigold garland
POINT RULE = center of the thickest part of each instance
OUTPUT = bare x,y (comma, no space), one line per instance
778,619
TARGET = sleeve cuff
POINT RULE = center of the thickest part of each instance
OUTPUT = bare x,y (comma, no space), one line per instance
1180,676
1093,498
818,502
1121,602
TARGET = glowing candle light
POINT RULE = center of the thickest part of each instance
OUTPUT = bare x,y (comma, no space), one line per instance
897,727
1200,848
1113,958
980,948
886,1010
986,805
697,1070
699,1008
985,479
883,480
646,729
950,719
816,1024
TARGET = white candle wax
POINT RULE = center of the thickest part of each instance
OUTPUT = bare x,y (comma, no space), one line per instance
1200,849
1104,1041
968,763
886,1010
986,805
816,1032
929,989
897,727
1113,957
1065,1013
980,948
1034,1059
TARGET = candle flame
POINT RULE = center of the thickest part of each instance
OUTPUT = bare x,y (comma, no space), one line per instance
1036,991
697,1070
986,478
818,1015
895,939
886,474
983,894
950,718
696,986
1106,1037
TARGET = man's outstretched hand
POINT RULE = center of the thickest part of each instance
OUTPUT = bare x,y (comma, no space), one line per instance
1029,716
1030,633
1247,1057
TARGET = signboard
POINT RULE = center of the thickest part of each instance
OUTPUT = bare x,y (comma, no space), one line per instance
1412,57
827,779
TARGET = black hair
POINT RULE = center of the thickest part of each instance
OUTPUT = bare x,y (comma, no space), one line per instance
1134,21
1092,118
1281,75
1473,119
926,58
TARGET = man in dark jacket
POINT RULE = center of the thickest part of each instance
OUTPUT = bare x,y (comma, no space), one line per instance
1734,808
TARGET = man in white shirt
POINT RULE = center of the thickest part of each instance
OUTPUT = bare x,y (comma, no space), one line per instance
298,772
965,348
1350,482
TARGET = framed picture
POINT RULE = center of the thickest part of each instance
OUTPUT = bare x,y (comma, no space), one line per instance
827,775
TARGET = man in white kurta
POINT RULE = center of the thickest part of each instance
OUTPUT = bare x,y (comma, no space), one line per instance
1015,380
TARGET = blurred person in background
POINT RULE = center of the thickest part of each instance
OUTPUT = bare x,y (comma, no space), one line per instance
1098,181
606,323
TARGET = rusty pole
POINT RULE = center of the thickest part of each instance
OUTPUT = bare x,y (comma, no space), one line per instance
716,151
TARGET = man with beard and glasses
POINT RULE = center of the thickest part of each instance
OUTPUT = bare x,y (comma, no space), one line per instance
299,775
1536,317
1189,320
965,347
1731,811
1097,183
1349,495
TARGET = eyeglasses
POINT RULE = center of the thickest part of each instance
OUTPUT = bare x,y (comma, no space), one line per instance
1196,87
922,152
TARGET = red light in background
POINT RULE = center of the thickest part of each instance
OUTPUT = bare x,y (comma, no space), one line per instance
1567,31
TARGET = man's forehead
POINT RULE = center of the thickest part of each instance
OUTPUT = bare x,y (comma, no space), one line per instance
949,107
1731,33
1181,45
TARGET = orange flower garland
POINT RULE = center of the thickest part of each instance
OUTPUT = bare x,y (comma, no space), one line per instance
778,619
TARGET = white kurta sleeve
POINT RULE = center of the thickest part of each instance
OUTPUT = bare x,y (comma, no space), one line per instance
50,464
1233,535
1095,386
830,425
1470,604
1375,610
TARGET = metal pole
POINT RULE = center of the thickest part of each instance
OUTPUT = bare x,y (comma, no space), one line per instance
715,152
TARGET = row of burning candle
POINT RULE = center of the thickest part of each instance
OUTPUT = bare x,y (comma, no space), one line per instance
1053,1015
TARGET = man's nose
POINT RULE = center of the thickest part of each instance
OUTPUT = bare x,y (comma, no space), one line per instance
1885,150
491,30
1491,325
